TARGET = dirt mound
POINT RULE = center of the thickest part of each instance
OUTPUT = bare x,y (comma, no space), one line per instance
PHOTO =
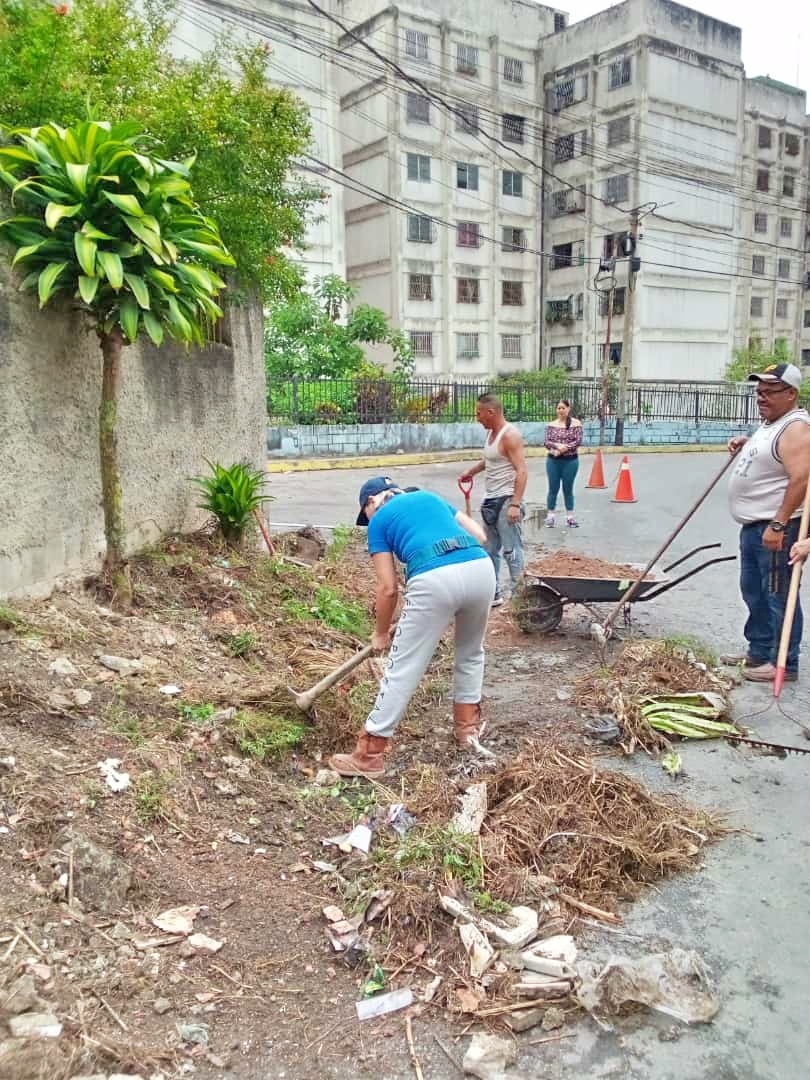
570,564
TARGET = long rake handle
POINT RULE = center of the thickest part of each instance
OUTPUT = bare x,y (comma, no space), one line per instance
792,599
631,592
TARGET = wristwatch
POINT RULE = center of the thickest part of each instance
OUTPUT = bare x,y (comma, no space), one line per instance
777,526
516,505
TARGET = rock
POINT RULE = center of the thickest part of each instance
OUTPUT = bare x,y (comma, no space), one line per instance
125,1076
563,695
524,1019
554,1019
81,697
205,944
59,701
21,996
158,637
100,879
62,668
94,1076
192,1032
162,1005
488,1057
225,787
120,932
121,665
35,1026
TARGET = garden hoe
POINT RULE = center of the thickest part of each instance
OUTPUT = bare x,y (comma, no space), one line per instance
305,700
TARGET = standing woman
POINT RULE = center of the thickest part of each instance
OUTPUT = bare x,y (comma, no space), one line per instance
563,439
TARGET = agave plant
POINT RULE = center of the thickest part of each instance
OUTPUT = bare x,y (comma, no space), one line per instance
98,219
232,495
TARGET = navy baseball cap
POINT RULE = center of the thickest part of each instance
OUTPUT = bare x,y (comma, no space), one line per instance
373,487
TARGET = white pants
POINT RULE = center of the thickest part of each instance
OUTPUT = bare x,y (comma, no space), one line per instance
460,593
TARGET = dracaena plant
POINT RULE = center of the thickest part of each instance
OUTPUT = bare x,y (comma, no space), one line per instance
97,219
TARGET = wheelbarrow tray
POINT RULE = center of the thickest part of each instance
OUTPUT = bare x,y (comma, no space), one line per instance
595,590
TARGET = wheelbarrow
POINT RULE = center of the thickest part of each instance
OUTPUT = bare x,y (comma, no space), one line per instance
539,603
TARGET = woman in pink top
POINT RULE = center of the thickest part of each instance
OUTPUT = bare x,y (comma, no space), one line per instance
563,439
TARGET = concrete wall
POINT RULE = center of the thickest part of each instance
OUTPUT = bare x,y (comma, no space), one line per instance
357,439
177,409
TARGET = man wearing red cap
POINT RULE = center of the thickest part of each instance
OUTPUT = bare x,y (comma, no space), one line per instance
766,492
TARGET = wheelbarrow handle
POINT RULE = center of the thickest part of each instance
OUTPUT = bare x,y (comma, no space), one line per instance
466,486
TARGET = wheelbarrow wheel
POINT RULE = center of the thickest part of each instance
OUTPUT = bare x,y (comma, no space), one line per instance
537,608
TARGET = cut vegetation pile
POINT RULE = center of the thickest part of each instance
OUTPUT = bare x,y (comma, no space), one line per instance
646,670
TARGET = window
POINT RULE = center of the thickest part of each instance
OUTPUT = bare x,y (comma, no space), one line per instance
420,229
513,239
580,305
416,44
419,167
569,91
760,222
513,128
619,74
806,357
806,317
763,180
617,188
468,290
564,148
512,293
785,227
468,234
512,69
467,118
422,342
789,184
466,59
559,311
559,21
757,306
618,302
764,138
618,131
511,346
467,346
562,256
781,307
758,265
567,356
418,109
612,246
420,287
783,268
513,183
791,145
466,176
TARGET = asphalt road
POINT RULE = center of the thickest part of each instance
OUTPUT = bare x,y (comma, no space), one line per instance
747,910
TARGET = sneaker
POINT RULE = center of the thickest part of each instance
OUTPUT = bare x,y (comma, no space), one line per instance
550,521
572,522
497,600
767,673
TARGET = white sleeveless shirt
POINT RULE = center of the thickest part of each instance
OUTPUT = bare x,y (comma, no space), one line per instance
758,478
499,472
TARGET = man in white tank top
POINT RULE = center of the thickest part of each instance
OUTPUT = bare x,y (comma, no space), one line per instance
766,492
505,477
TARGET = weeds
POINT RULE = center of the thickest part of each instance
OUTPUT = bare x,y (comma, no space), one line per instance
240,644
130,727
678,643
342,537
92,793
442,849
265,736
330,608
150,795
487,904
9,619
196,714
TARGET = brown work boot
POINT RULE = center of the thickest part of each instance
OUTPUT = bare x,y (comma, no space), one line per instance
467,722
367,758
767,673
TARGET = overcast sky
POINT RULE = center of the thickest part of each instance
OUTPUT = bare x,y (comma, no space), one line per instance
775,34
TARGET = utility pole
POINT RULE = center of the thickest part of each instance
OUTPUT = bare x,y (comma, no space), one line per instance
603,404
626,367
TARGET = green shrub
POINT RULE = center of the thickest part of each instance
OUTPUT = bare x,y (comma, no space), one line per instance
232,495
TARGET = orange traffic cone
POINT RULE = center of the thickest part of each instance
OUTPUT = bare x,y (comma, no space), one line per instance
597,477
624,487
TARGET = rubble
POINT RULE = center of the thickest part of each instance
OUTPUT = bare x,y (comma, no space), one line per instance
33,1025
100,879
121,666
488,1057
470,817
62,668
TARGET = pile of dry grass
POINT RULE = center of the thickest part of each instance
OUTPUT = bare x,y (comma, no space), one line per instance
598,835
643,669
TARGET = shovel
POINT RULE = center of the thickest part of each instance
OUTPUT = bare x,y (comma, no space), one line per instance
466,487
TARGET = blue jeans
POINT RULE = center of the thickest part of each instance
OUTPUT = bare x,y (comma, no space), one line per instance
766,609
504,537
561,470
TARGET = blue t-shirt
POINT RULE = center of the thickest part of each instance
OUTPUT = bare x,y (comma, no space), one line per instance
410,522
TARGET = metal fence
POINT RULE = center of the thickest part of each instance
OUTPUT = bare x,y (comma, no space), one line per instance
417,400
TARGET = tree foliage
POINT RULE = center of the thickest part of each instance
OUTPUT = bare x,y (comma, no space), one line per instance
755,357
304,337
113,59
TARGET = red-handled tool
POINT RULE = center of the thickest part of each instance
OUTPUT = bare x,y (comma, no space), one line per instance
466,487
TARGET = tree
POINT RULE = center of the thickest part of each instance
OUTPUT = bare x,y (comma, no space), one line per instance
113,59
755,357
116,230
304,337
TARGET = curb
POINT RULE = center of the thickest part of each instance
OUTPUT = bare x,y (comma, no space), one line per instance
371,461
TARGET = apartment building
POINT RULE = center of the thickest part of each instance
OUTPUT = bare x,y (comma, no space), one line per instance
452,253
299,46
